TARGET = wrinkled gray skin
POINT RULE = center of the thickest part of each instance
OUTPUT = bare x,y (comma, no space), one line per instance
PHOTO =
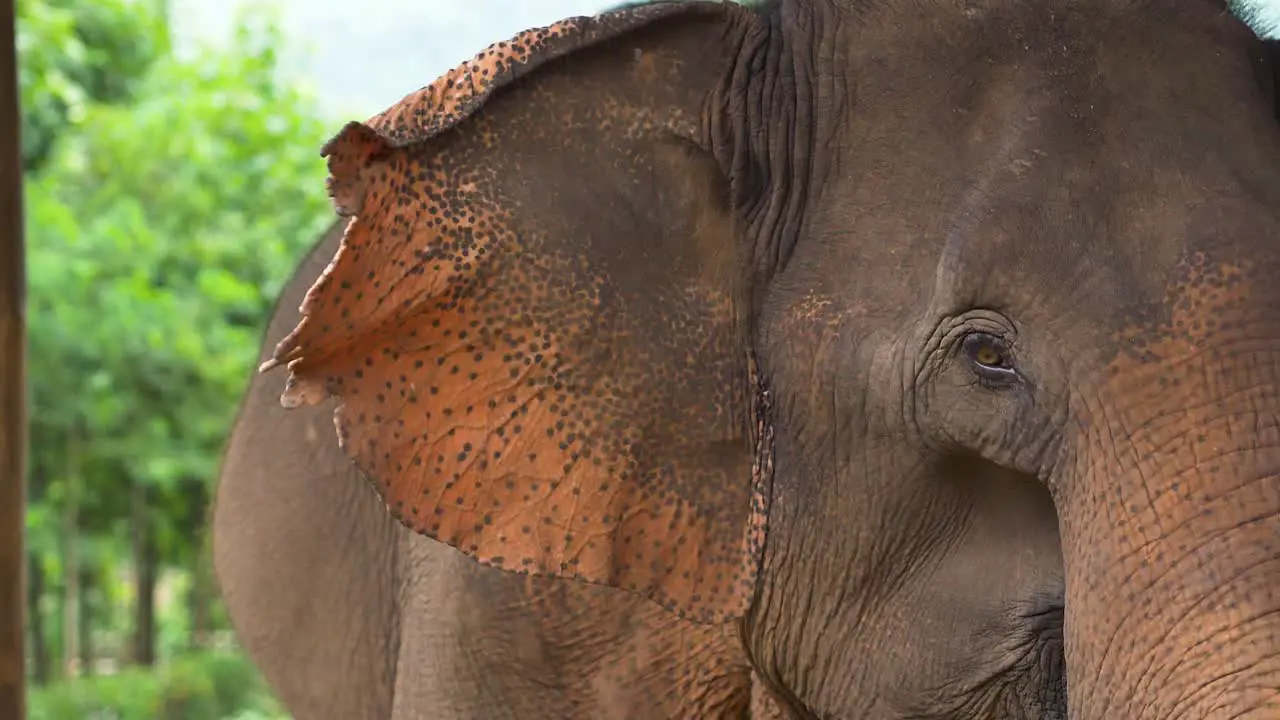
1084,524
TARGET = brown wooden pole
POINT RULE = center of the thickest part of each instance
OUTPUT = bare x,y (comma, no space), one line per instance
13,405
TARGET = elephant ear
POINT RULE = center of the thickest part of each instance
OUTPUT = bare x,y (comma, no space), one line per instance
536,321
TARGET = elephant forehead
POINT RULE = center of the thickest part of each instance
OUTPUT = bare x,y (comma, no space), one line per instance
1041,168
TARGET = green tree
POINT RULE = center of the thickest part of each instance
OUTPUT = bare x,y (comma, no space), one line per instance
78,52
169,199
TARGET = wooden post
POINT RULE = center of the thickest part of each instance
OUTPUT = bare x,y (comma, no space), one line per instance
13,384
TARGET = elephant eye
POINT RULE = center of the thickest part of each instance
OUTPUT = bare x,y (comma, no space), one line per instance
989,356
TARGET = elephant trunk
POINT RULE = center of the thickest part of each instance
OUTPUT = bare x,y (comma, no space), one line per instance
1171,540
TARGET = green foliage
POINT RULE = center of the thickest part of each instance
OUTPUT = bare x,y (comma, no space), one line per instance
167,200
78,52
160,233
206,686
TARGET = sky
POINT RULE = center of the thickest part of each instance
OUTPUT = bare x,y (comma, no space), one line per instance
398,45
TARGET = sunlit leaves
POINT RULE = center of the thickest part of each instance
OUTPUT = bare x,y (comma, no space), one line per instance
79,52
178,196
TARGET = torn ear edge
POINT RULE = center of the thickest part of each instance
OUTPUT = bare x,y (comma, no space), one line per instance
466,89
451,99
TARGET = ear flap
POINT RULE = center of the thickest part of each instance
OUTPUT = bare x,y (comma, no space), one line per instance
535,322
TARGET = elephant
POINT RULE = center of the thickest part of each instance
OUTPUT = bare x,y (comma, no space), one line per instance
814,359
350,615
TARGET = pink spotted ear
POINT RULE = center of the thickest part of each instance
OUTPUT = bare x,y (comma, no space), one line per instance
533,323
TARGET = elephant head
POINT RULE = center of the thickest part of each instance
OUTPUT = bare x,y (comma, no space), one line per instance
936,345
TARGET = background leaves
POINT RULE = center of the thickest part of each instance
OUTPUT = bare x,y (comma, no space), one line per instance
167,200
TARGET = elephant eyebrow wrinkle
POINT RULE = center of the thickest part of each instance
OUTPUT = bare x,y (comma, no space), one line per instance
976,202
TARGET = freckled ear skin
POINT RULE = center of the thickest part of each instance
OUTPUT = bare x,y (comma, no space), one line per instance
534,323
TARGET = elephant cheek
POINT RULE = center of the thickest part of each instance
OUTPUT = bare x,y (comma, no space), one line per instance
1170,523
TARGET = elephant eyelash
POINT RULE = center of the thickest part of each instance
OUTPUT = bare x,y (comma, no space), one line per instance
998,383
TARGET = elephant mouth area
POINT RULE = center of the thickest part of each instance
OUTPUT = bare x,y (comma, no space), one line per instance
1044,615
1041,672
1030,678
1016,670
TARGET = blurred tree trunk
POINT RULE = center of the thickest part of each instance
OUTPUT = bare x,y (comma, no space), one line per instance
71,558
85,629
36,589
200,598
13,383
144,573
35,619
